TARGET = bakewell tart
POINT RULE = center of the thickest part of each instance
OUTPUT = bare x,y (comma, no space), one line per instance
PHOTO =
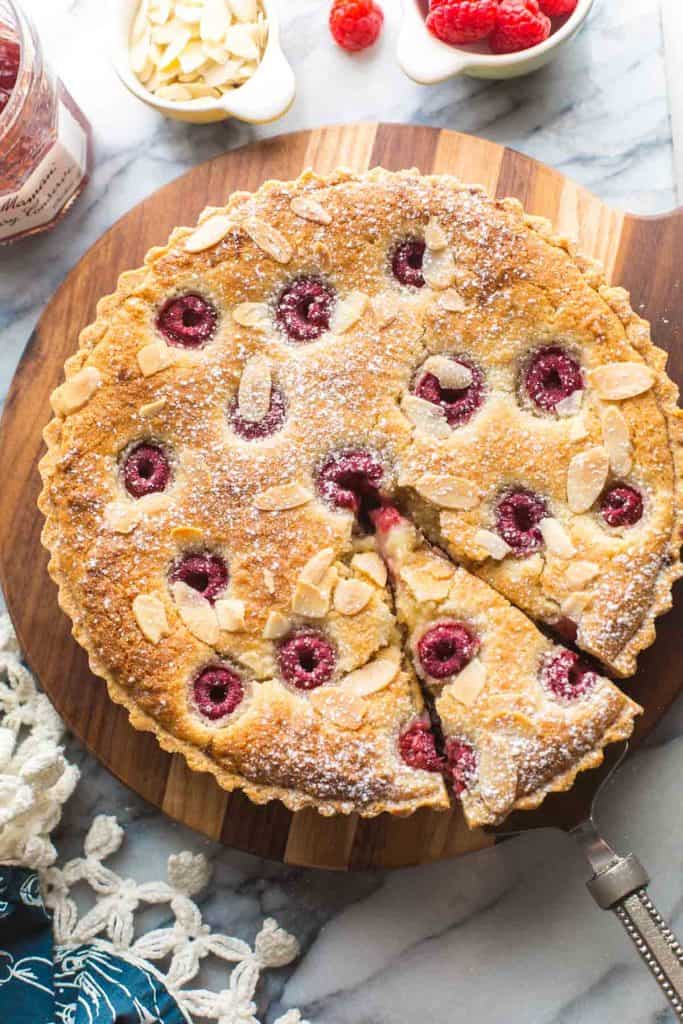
247,403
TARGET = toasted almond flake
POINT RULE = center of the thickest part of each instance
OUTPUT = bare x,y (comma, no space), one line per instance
342,709
152,408
310,601
468,684
121,516
369,564
209,233
196,613
575,604
150,615
439,568
352,596
348,312
556,538
277,625
424,585
616,437
452,301
187,535
579,573
374,676
449,373
283,497
316,567
438,269
618,381
230,614
586,477
385,307
269,580
448,491
492,543
426,416
577,428
255,389
252,314
153,358
570,405
309,208
150,504
75,392
435,236
271,241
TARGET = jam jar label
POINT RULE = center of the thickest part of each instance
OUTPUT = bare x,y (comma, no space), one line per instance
55,180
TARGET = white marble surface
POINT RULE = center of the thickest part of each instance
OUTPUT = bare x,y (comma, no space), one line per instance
510,935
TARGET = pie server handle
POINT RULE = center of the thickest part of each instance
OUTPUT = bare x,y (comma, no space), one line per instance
620,884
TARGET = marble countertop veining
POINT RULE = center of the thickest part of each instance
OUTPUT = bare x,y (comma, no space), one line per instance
508,935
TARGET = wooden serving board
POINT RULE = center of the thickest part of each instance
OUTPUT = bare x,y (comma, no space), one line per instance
643,254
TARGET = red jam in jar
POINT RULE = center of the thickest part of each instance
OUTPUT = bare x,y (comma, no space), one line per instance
45,141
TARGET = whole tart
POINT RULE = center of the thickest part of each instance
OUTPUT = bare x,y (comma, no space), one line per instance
231,441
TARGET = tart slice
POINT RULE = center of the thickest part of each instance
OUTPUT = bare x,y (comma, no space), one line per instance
521,716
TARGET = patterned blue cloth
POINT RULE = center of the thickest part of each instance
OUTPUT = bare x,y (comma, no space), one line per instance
41,983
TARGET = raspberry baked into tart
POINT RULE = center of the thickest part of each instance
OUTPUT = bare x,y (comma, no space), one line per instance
230,450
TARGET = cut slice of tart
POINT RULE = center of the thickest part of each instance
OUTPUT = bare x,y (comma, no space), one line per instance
520,715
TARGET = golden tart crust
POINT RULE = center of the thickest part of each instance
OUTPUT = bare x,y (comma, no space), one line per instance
498,287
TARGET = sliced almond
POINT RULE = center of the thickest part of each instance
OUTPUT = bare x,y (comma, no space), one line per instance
468,684
269,580
187,535
150,504
616,437
424,585
449,373
310,601
426,416
385,307
121,516
369,564
435,236
76,391
577,428
618,381
309,208
352,596
575,604
212,231
255,389
283,497
215,21
271,241
579,573
452,301
342,709
448,491
277,625
316,567
153,358
556,538
492,543
239,40
374,676
348,312
196,612
152,408
244,10
570,405
252,314
438,269
150,615
586,477
230,614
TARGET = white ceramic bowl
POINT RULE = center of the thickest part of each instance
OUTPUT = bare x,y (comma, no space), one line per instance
267,95
427,60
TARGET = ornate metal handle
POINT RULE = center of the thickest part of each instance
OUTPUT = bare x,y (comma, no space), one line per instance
620,884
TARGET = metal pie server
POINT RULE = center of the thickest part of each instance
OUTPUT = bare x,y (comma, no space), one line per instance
618,883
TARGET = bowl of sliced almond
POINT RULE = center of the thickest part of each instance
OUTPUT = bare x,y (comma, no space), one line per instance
203,60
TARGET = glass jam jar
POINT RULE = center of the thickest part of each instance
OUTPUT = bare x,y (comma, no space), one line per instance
45,140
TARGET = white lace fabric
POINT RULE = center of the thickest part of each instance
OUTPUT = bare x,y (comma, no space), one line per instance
35,782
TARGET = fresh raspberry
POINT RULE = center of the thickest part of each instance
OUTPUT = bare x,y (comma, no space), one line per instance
386,518
565,675
517,517
146,470
217,691
458,405
356,24
273,421
351,480
462,765
207,574
304,309
307,660
462,21
622,505
418,748
10,59
552,376
446,648
557,8
521,24
406,262
188,321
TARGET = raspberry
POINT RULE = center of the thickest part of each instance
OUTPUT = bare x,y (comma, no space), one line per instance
445,649
352,480
188,321
270,424
462,765
205,573
356,24
146,470
406,262
521,24
217,692
517,517
304,309
552,376
557,8
307,660
458,406
565,675
418,749
622,505
462,21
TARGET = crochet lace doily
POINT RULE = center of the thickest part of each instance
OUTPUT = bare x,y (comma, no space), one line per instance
35,782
